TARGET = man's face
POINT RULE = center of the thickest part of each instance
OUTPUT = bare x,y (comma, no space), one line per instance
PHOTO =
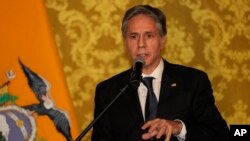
143,39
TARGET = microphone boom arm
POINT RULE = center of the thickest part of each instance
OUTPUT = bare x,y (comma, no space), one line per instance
85,131
135,80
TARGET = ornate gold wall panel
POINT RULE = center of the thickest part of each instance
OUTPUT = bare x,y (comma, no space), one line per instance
213,36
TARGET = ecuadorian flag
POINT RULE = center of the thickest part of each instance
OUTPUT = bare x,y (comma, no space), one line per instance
25,33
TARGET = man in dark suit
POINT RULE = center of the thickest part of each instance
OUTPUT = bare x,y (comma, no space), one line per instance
185,109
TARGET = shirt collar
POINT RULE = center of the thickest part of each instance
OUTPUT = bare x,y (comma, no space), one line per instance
157,73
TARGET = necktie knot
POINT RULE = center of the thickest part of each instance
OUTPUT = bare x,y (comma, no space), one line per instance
147,81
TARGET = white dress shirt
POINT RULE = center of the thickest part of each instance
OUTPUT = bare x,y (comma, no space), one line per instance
142,91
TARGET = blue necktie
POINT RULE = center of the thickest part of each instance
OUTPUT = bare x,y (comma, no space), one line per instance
151,101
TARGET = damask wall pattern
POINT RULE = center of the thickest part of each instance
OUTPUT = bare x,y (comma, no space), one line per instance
213,36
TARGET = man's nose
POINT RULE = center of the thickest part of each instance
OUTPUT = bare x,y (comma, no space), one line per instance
141,42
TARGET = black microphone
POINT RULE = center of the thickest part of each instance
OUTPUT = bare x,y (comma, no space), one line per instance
136,77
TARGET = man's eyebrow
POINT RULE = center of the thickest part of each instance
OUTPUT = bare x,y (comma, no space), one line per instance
132,33
151,32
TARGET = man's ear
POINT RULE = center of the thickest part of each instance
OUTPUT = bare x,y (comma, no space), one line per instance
163,41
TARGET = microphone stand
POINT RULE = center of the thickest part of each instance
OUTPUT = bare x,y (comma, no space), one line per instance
134,82
85,131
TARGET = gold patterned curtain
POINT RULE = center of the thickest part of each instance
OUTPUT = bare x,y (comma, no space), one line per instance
213,36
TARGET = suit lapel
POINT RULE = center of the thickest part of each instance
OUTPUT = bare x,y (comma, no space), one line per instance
170,85
135,108
135,117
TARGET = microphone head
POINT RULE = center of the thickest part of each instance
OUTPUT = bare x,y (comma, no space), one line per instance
138,61
136,77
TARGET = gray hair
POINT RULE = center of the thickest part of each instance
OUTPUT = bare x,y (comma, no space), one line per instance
148,10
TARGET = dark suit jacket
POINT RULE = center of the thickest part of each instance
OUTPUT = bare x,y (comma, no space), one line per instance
191,101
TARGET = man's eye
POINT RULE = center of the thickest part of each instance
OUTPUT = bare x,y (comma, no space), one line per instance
133,36
149,35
